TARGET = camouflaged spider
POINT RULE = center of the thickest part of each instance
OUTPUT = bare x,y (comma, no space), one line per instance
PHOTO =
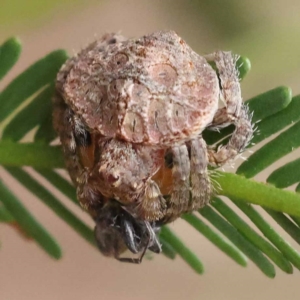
124,105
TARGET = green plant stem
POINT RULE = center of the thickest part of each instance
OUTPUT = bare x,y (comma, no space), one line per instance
248,190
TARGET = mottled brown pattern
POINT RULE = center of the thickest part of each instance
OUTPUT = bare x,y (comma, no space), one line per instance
101,85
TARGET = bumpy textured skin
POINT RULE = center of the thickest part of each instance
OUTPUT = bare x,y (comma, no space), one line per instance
154,90
124,105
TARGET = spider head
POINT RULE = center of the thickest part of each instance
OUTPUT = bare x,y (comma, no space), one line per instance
123,170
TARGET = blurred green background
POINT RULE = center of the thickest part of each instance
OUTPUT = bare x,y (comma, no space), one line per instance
265,31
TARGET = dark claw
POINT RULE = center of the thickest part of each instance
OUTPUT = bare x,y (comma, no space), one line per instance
156,247
130,260
128,233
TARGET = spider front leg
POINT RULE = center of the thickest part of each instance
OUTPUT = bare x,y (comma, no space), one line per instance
234,111
152,206
78,150
180,195
116,227
147,240
201,187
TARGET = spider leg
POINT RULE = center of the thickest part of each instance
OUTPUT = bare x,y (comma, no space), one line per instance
150,243
201,187
128,232
234,111
153,205
63,123
156,246
180,195
76,142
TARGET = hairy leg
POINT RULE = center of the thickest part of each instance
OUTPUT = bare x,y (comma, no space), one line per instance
234,111
201,187
138,239
180,196
152,206
76,142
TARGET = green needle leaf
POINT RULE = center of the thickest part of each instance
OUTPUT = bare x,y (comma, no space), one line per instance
269,103
269,232
45,132
212,137
298,188
167,249
251,235
9,54
237,239
243,65
5,216
216,239
30,154
25,120
278,121
286,175
30,81
46,197
286,224
32,227
182,250
283,144
60,183
296,220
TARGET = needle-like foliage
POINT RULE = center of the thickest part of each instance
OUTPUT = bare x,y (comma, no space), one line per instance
25,106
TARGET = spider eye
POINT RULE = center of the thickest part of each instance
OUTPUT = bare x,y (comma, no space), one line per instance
113,179
119,60
163,74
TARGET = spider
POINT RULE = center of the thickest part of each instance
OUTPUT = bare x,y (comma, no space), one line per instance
116,230
130,114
